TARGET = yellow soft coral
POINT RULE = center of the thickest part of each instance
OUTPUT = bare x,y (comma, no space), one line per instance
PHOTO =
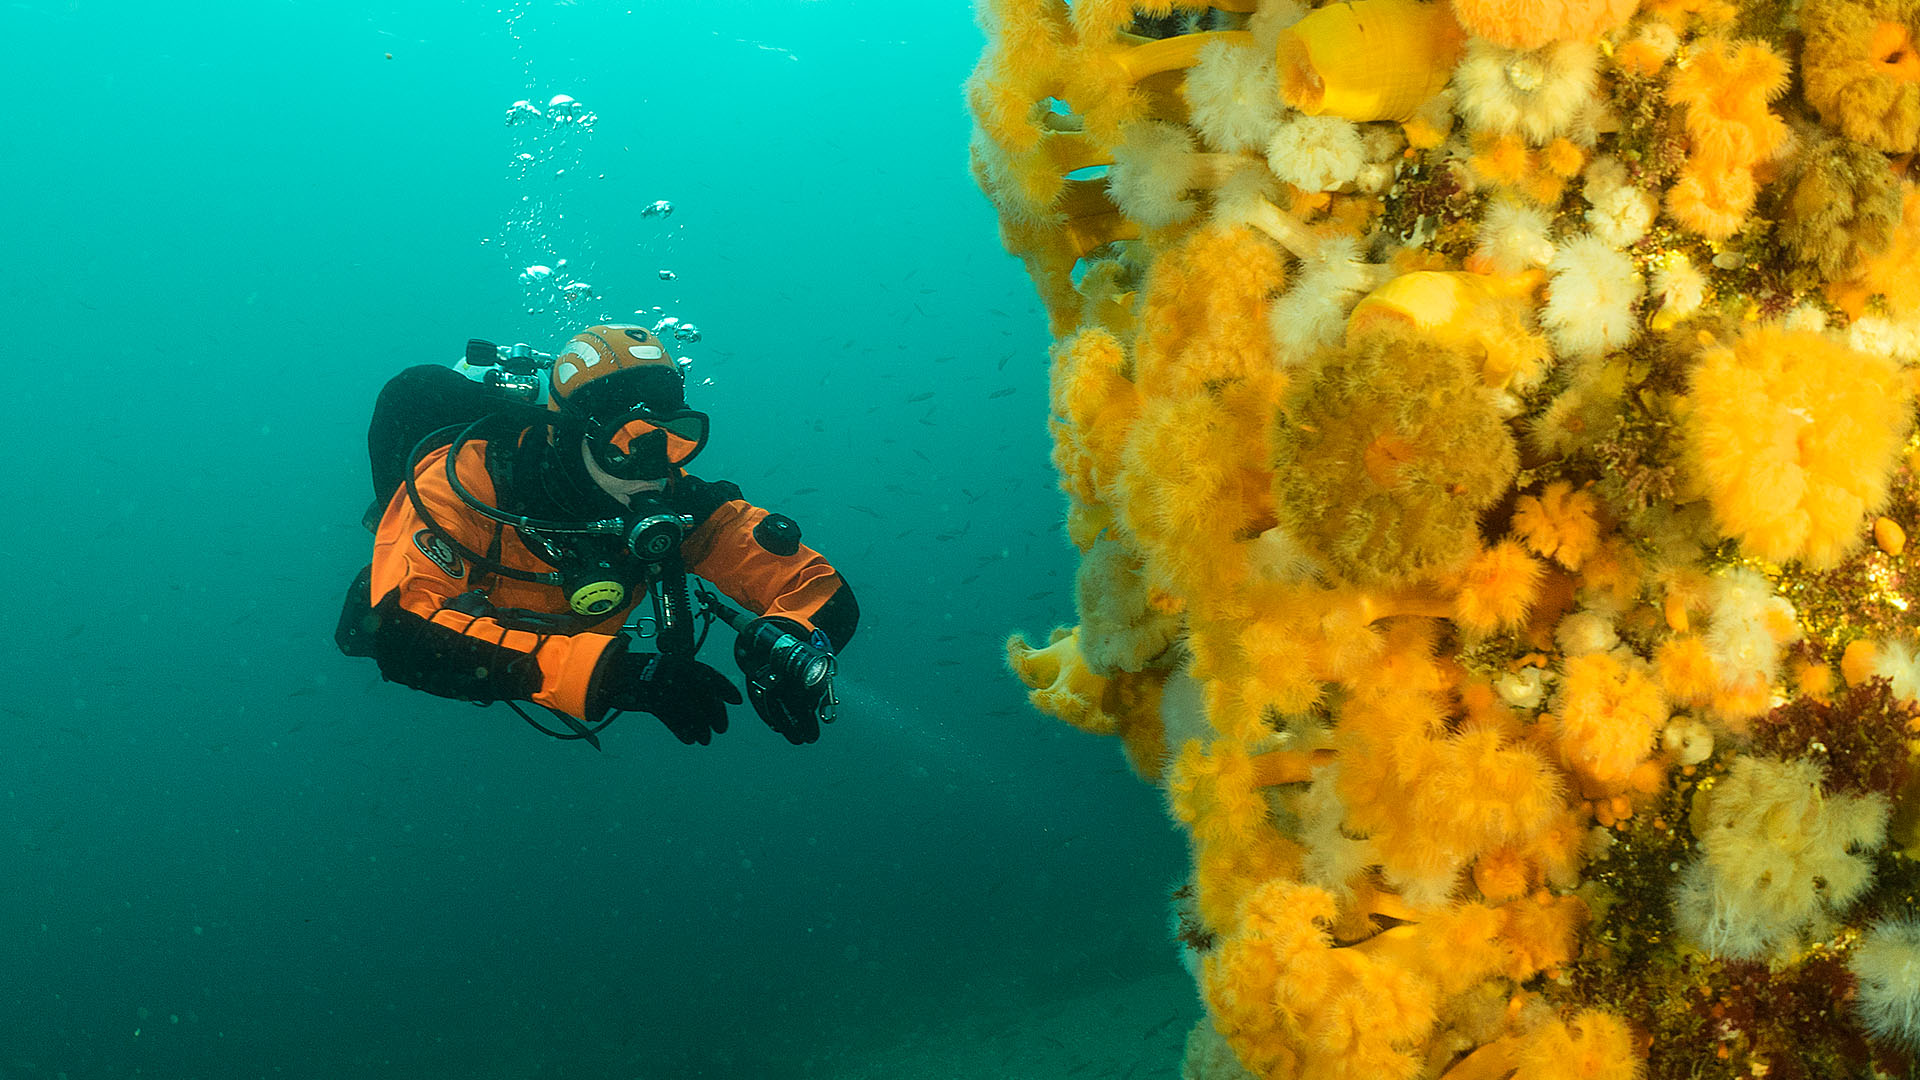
1793,438
1216,792
1594,1045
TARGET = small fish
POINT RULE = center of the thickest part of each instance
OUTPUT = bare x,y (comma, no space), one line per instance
919,397
867,510
806,491
1002,365
1003,392
996,311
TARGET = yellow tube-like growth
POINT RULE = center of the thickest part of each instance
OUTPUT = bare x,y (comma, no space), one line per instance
1368,59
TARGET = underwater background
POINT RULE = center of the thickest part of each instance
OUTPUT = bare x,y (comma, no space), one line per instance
230,851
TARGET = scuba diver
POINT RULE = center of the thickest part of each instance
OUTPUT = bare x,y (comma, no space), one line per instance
524,506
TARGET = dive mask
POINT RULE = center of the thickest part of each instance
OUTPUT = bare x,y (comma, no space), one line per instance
640,444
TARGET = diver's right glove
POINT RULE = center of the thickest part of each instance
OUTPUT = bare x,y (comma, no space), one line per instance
686,695
789,674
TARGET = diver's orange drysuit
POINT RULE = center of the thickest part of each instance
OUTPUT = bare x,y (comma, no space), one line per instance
460,630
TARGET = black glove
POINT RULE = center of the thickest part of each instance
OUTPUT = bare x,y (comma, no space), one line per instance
796,712
687,695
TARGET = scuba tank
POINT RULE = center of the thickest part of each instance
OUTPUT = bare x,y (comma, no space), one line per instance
428,397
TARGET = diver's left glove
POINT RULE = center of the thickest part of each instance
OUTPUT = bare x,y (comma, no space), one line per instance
686,695
789,674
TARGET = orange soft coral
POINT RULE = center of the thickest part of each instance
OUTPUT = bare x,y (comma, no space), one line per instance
1204,317
1861,69
1022,66
1429,801
1560,523
1712,203
1725,89
1291,1003
1539,932
1608,714
1793,437
1502,874
1283,675
1192,487
1497,588
1687,672
1594,1045
1529,24
1094,404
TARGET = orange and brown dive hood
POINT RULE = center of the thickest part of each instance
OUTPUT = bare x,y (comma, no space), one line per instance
623,385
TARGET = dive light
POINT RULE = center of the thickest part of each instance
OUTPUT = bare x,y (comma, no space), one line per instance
786,658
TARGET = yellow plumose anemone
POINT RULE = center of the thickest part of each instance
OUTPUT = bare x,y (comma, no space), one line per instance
1386,458
1860,71
1777,856
1061,683
1793,438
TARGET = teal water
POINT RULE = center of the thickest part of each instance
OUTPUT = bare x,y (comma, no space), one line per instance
229,851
